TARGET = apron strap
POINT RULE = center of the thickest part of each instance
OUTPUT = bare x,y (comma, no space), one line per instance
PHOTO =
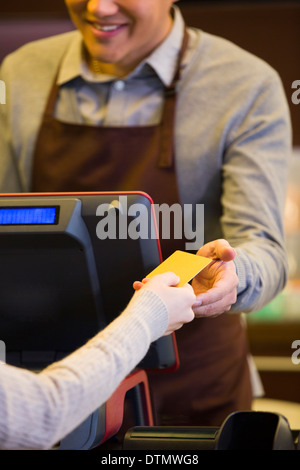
52,98
168,117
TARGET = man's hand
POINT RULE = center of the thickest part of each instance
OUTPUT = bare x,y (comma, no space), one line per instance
216,285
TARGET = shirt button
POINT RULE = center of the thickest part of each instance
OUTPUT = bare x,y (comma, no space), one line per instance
119,85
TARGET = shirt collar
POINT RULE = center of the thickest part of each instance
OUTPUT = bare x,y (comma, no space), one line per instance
71,63
163,60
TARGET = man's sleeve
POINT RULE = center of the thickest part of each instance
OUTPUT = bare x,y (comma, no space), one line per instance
254,187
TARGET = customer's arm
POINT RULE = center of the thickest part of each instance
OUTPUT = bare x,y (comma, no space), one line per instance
37,410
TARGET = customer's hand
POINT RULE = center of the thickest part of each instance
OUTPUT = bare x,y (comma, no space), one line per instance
216,285
178,300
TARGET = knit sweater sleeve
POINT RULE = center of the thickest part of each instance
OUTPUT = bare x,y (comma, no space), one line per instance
37,410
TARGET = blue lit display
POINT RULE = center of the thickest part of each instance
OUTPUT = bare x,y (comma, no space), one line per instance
28,215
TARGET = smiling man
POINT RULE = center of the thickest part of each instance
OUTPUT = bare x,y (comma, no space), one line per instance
135,100
118,35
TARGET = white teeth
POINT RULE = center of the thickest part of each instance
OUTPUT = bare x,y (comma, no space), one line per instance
106,28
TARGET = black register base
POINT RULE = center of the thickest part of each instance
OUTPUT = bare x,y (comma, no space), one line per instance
247,430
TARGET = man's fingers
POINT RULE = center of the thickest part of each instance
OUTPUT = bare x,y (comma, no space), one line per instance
212,295
215,308
218,249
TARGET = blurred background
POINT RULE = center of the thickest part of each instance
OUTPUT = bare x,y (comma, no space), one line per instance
271,30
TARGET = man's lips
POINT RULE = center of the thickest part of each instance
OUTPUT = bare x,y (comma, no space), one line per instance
106,30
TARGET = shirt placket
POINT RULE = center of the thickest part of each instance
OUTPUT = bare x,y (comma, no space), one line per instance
116,104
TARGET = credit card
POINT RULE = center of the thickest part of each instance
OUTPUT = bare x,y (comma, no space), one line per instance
185,265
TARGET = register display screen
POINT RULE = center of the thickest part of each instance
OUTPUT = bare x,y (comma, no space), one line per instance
29,215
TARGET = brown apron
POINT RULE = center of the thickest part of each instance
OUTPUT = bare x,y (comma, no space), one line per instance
213,377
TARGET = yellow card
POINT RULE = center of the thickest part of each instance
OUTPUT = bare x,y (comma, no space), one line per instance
185,265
